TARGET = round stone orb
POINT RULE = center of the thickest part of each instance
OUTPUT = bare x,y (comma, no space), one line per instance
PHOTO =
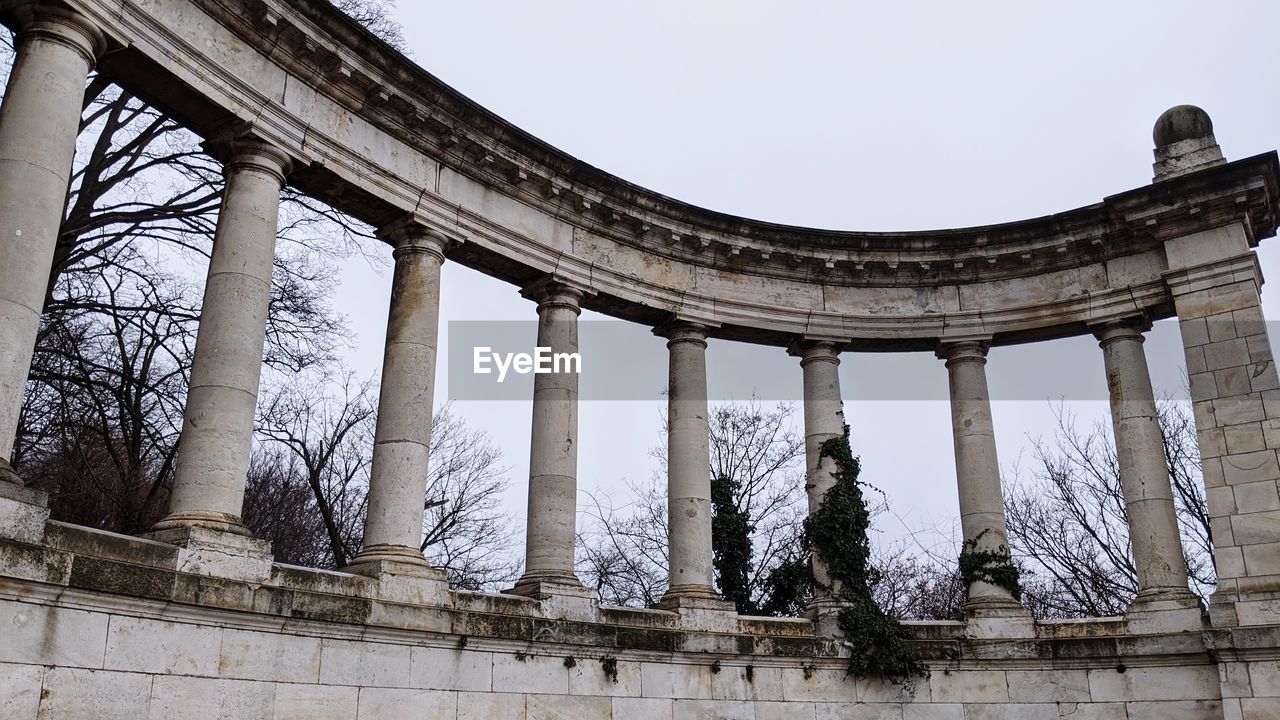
1184,122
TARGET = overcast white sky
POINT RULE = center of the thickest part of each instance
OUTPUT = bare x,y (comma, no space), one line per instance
846,115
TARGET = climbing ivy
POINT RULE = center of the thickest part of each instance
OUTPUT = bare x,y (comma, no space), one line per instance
837,531
994,567
731,529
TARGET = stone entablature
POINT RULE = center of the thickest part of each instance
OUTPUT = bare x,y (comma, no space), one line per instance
381,139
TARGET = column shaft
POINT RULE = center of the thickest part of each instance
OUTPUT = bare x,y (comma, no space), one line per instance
402,441
823,420
39,122
982,517
1144,471
553,451
688,464
217,427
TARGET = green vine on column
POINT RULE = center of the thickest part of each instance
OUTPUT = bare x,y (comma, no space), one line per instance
994,567
880,646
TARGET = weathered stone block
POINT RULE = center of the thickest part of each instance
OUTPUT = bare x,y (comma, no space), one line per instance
823,684
1255,528
174,696
1250,467
309,702
969,686
20,691
530,674
158,646
269,656
1037,686
933,711
1011,711
45,635
23,513
1262,559
406,704
372,664
714,710
1260,709
779,711
490,706
625,708
1178,710
587,677
1092,711
1166,683
567,707
80,694
451,669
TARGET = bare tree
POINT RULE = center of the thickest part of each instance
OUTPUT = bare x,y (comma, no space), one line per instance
624,548
280,506
465,530
328,430
318,434
1068,525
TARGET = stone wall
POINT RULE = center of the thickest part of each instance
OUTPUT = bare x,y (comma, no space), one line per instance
99,626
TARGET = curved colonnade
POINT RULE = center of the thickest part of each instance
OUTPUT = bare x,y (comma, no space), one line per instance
293,92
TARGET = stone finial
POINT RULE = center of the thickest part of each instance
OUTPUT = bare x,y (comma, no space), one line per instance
1184,142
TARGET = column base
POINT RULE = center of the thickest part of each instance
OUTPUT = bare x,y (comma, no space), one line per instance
1165,611
824,613
998,618
403,575
561,596
23,511
217,522
700,608
217,553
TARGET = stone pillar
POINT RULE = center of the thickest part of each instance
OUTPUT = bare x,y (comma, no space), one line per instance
688,467
823,420
1144,474
553,452
982,518
398,478
39,122
217,428
1235,394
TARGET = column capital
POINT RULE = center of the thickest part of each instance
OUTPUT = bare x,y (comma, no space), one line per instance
551,291
966,350
816,350
61,24
678,331
407,235
1131,328
241,150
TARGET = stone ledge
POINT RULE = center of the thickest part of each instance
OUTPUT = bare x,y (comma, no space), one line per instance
295,595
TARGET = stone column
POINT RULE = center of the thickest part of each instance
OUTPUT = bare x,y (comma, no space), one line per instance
1235,391
1144,470
217,428
982,518
688,466
398,478
823,420
553,452
39,122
